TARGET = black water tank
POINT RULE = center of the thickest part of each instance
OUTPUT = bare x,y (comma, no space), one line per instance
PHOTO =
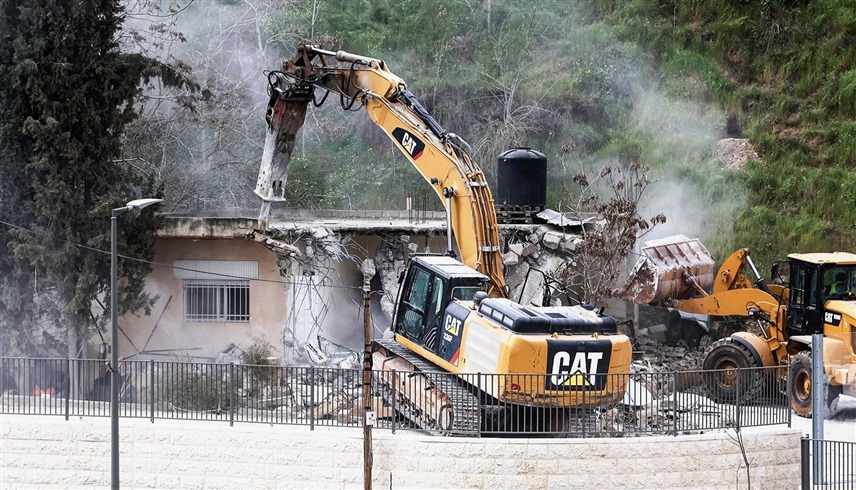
521,179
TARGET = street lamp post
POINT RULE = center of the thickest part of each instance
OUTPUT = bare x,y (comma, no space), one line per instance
134,205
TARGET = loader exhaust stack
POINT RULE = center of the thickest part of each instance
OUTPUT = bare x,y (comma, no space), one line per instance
670,268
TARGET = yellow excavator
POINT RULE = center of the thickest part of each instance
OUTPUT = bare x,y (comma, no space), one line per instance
451,315
818,297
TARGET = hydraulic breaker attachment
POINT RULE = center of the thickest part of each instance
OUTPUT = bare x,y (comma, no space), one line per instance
670,268
285,115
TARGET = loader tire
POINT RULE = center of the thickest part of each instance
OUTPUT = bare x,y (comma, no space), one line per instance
728,374
800,386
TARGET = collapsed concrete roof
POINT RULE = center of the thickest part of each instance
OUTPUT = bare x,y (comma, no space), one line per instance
239,223
528,248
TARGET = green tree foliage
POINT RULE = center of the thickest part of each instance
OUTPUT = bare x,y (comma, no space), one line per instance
653,82
197,389
261,364
66,94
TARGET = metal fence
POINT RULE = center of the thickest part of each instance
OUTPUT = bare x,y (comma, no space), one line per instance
828,464
650,403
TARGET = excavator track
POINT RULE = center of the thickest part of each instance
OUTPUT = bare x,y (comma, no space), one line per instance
459,403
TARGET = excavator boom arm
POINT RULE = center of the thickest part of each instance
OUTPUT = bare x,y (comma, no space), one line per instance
441,157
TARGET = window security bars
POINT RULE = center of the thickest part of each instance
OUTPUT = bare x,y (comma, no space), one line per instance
217,301
670,403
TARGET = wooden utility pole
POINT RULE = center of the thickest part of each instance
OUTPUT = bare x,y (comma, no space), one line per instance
368,270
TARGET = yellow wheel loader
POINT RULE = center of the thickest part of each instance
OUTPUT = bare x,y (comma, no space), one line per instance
818,296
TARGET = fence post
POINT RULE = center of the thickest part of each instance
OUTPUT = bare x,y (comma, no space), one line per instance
584,414
788,399
818,390
68,390
311,397
675,403
478,401
737,398
393,387
805,466
233,395
152,389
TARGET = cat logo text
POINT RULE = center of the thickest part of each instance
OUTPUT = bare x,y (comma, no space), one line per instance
577,365
412,145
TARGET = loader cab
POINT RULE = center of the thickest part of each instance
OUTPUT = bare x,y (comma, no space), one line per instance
430,284
816,278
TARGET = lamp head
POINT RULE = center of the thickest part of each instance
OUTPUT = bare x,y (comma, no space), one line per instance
138,204
135,206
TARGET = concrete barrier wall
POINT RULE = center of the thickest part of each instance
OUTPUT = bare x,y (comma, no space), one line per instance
49,452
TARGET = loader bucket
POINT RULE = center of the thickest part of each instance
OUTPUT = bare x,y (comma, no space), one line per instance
674,267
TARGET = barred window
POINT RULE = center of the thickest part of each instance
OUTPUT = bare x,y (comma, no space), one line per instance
216,301
216,290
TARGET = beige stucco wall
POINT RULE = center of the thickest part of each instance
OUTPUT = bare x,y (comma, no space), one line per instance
48,452
165,334
330,307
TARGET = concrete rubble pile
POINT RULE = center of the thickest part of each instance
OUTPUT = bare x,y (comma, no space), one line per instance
323,382
665,390
322,353
668,340
318,394
734,153
533,254
665,401
391,261
656,357
643,411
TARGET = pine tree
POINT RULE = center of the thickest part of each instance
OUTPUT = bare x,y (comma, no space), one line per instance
66,93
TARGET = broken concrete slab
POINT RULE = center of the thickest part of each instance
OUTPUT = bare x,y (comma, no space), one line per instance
510,259
552,240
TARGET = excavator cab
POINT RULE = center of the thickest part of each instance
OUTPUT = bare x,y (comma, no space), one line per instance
429,287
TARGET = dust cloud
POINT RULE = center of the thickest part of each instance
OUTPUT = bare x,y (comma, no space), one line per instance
683,134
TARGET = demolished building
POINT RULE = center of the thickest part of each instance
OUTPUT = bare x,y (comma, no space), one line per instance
295,279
